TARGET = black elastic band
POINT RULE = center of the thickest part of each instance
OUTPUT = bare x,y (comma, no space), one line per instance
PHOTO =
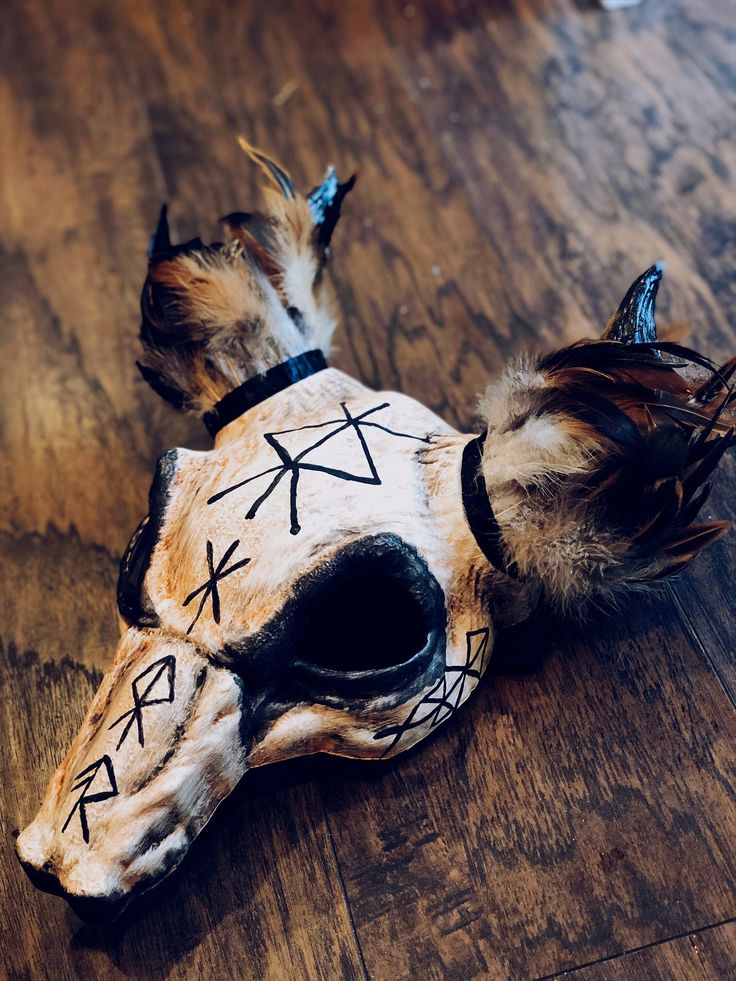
478,508
261,387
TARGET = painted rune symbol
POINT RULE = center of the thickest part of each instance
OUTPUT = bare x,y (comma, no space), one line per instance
295,465
86,778
163,670
446,696
209,588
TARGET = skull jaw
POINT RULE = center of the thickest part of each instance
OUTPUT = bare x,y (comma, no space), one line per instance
105,907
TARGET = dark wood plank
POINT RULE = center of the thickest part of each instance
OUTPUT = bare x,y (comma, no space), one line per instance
705,597
709,955
557,820
588,145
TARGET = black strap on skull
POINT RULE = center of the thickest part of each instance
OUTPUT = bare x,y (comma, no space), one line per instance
261,387
478,510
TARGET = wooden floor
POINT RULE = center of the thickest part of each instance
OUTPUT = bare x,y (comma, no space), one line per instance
520,162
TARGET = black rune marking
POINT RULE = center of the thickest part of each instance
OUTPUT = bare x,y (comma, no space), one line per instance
159,689
209,588
295,465
447,695
86,778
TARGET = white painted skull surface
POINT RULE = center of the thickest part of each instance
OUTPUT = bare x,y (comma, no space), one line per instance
331,575
311,584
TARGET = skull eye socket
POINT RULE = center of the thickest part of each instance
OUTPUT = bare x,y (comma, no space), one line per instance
363,622
133,601
369,622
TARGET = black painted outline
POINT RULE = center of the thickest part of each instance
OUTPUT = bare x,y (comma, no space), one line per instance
295,466
141,701
209,588
438,700
134,602
84,785
261,387
478,511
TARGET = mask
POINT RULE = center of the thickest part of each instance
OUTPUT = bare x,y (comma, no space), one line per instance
331,576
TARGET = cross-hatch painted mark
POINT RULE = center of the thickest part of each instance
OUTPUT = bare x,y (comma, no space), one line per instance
447,695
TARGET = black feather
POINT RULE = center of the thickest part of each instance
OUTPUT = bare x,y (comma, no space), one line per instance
170,393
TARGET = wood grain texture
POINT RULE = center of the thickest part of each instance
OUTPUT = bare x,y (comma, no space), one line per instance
519,163
708,955
572,832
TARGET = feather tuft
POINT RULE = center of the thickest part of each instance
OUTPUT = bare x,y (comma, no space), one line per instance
598,459
215,315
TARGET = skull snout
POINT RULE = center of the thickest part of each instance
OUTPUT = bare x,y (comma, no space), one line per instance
160,748
99,881
49,875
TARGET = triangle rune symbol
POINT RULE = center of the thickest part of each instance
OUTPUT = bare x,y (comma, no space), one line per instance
84,781
294,465
159,688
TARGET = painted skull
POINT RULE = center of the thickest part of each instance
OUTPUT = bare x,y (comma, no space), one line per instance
311,584
328,578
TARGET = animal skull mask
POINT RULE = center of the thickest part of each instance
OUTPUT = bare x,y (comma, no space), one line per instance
331,575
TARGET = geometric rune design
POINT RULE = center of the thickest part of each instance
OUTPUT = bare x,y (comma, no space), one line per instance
448,694
349,426
209,588
86,778
154,686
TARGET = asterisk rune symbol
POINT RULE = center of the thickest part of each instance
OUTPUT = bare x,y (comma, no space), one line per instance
209,588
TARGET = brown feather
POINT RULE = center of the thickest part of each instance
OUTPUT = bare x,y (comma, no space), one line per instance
617,445
216,315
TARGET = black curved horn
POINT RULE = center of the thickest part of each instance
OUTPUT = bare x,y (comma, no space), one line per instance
160,240
324,202
633,322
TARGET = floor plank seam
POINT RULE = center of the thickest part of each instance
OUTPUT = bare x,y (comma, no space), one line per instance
635,950
690,626
341,879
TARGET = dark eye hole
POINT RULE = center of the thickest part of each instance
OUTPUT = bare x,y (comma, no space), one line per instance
367,621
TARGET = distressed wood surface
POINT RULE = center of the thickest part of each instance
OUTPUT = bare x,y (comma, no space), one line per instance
510,154
703,956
